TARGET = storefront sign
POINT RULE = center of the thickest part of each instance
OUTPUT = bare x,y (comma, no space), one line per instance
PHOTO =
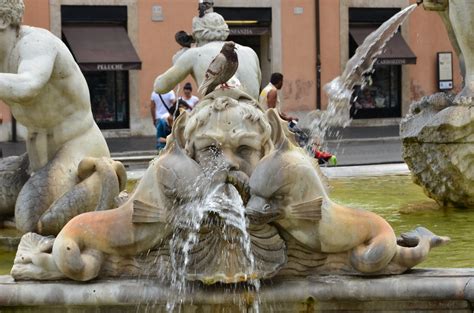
445,70
248,31
391,61
104,67
109,67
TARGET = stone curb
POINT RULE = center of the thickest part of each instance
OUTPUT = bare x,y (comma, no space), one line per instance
335,171
377,139
366,170
422,286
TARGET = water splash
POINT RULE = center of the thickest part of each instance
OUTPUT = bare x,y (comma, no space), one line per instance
187,225
217,211
340,89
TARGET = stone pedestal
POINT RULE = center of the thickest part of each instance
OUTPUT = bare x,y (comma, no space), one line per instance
434,290
438,147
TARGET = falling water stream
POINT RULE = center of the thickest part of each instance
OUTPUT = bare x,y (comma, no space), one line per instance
358,68
220,207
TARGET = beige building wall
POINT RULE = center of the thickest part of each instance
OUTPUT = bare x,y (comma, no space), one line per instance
330,44
157,47
298,23
427,37
291,48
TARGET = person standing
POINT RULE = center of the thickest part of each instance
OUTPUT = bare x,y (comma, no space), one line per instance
161,107
188,97
269,96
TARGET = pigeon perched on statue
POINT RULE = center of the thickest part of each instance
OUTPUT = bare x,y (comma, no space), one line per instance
221,69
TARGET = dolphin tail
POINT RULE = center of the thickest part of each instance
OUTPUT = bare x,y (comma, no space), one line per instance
414,246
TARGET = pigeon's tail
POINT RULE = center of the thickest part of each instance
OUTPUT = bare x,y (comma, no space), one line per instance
206,87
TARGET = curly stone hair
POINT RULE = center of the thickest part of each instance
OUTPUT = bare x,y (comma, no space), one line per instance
11,11
248,108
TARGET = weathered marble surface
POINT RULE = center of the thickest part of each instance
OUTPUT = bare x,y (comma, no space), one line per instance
47,93
230,199
438,133
438,147
224,179
430,290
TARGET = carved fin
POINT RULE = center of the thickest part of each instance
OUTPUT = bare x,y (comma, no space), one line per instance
147,213
310,210
282,138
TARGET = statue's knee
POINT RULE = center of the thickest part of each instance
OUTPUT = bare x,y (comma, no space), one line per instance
86,167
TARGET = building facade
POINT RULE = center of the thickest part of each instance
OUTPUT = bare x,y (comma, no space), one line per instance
309,41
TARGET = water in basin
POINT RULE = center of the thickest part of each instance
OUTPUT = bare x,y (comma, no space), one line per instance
404,205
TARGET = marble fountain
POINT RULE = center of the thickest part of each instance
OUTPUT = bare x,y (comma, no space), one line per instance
233,216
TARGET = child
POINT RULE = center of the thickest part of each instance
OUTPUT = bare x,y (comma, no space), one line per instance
163,129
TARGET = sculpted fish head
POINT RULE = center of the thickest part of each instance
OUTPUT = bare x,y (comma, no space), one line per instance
170,178
284,178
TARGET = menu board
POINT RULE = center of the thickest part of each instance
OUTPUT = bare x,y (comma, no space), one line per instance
445,70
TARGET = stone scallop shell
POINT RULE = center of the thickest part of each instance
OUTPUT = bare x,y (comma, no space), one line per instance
215,259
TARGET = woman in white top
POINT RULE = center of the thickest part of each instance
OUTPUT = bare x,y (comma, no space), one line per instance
188,97
160,105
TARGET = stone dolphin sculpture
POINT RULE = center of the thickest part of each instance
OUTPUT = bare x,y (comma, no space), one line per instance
139,224
286,181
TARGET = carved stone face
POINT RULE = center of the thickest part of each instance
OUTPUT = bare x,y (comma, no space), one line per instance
228,136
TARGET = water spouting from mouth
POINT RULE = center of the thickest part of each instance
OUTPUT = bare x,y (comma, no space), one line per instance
217,208
341,89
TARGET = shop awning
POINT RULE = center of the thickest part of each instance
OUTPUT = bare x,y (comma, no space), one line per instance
102,48
396,52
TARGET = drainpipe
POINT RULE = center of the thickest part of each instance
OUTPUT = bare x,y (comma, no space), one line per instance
14,137
318,56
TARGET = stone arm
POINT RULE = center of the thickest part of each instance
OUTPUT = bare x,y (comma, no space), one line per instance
174,75
37,58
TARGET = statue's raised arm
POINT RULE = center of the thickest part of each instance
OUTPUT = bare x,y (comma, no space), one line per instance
35,66
175,74
210,33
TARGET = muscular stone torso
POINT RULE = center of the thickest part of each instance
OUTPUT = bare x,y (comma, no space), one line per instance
60,111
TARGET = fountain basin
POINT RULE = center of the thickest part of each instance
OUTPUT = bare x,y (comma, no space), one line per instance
388,191
421,289
375,188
